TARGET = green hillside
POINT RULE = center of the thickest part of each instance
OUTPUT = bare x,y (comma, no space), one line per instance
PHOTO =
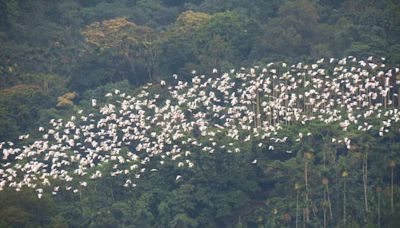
199,113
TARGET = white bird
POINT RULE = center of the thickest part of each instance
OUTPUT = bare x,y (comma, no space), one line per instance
155,127
271,147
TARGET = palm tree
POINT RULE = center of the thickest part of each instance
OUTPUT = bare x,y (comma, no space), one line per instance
364,158
307,157
365,179
379,190
345,174
297,189
287,218
327,200
392,165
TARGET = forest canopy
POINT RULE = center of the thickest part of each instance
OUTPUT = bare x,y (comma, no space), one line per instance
85,44
57,57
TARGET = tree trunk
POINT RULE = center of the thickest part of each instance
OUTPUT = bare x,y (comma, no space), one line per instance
365,180
344,202
329,202
297,208
391,192
379,209
306,180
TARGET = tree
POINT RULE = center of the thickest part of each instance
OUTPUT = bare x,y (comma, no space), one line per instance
8,126
127,40
225,38
23,104
9,13
292,32
180,44
189,22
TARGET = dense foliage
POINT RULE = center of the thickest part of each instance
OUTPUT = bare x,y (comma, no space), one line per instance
56,55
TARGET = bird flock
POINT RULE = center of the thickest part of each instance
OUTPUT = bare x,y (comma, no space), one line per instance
126,135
